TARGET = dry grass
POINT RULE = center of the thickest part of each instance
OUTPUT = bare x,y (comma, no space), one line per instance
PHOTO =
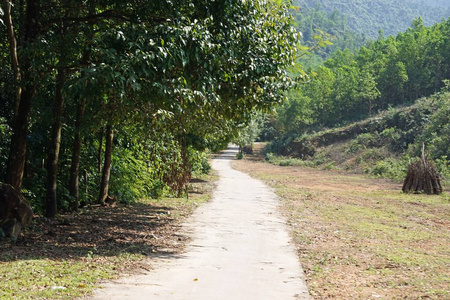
361,238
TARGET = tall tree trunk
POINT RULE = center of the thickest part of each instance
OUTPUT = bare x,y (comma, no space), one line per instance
107,165
13,53
99,153
74,180
53,154
18,148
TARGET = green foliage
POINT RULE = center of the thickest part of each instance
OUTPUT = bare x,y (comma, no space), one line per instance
443,166
132,177
436,134
363,141
382,146
250,131
199,162
325,32
386,73
285,161
240,155
389,168
173,78
295,114
5,134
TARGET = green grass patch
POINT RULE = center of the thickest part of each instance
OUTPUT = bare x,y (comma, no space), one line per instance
44,278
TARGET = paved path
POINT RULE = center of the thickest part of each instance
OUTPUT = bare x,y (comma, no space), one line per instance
240,249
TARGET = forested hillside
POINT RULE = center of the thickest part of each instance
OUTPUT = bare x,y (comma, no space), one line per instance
353,85
368,17
388,72
437,3
324,33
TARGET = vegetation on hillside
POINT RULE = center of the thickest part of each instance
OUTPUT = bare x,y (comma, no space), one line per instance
385,73
383,145
369,17
385,76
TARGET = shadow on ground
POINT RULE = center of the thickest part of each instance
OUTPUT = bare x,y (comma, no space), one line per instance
104,231
228,154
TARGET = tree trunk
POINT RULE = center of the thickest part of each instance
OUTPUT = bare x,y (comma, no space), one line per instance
18,148
74,180
53,154
107,165
99,154
13,53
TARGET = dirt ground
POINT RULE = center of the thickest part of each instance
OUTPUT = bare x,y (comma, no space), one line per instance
361,238
105,229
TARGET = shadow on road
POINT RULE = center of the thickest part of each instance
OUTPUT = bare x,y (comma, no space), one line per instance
229,154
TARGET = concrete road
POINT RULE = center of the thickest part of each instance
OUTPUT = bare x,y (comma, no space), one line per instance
240,249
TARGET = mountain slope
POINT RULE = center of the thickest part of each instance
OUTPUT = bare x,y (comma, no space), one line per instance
382,145
371,16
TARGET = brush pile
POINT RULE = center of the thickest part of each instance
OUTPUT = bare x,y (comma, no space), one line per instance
422,177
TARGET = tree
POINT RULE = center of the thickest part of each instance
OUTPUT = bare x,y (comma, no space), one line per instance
248,134
26,89
205,65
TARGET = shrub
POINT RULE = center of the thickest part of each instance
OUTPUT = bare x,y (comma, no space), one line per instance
199,161
392,168
240,155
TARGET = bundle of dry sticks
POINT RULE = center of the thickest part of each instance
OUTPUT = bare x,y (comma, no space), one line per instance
422,177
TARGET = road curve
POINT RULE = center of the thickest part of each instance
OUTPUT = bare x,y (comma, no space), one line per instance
240,249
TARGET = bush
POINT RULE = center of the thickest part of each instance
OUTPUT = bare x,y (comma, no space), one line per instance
320,158
270,156
240,155
436,134
392,168
199,161
443,166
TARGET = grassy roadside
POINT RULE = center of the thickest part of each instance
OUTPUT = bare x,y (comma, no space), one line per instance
361,238
68,257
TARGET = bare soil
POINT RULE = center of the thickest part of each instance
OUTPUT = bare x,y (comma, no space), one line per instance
359,237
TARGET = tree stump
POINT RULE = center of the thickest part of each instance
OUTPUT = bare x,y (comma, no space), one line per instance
422,177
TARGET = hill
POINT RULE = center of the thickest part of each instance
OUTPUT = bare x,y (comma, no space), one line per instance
382,145
368,17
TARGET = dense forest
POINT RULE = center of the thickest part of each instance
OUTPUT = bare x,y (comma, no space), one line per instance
369,17
117,98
